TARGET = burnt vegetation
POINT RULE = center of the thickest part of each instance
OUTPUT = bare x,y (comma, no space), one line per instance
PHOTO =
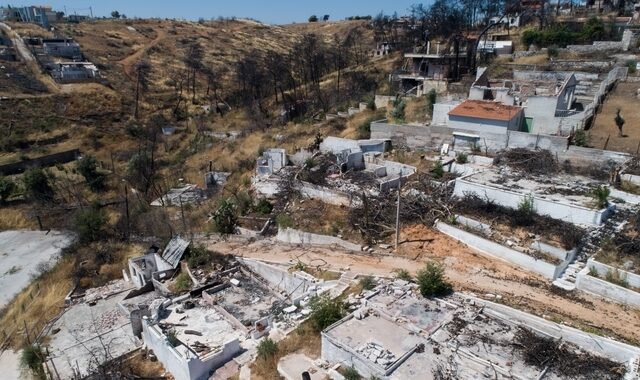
423,201
474,206
565,361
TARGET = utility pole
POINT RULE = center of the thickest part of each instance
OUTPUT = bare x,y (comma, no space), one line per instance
398,211
126,204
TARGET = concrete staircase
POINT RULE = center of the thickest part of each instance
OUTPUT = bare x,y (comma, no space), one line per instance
568,279
344,282
589,246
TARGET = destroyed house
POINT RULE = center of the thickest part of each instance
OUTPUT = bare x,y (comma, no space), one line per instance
553,101
64,48
394,333
433,68
73,72
151,267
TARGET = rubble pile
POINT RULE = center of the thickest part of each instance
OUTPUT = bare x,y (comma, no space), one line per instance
377,354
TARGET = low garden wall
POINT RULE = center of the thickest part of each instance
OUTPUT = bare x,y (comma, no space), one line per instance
603,269
605,289
499,251
563,211
293,236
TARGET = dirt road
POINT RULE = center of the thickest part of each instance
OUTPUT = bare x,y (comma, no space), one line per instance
623,97
467,270
129,62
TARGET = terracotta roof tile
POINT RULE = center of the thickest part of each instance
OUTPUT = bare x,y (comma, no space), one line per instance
485,110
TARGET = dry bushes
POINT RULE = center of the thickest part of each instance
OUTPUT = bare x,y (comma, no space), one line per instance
563,360
529,161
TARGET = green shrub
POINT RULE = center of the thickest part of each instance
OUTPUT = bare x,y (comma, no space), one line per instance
397,113
90,223
632,64
37,185
580,138
431,100
264,207
367,282
432,281
198,256
615,277
438,170
462,158
31,359
88,168
7,188
351,373
601,196
224,218
284,221
267,348
403,274
553,52
364,130
325,311
183,283
243,202
526,206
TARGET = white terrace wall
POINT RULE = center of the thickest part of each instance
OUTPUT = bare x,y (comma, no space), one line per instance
499,251
604,347
603,269
177,364
280,279
432,137
293,236
605,289
563,211
324,194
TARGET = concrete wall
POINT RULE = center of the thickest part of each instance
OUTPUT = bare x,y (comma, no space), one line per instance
325,194
499,251
602,269
592,343
433,136
280,279
478,125
175,360
292,236
605,289
441,112
563,211
334,352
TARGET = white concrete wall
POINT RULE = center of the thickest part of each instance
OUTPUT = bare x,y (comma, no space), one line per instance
292,236
441,112
324,194
477,126
333,352
562,211
499,251
602,269
635,179
182,363
605,289
605,347
280,279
